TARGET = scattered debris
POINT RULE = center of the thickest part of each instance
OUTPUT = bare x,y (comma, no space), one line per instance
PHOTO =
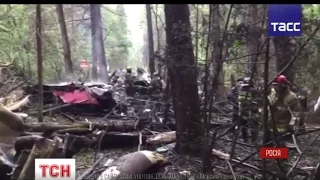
80,115
96,116
137,163
166,148
166,137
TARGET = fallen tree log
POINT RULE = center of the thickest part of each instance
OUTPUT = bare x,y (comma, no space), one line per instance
11,127
221,154
20,163
22,115
76,143
74,131
110,125
19,104
11,120
12,97
165,137
25,142
43,148
117,139
72,146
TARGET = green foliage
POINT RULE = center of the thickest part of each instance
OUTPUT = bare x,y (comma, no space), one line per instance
307,65
203,17
311,11
18,44
15,43
116,32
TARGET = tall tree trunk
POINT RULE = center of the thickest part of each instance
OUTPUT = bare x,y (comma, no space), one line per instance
145,51
39,62
65,43
217,46
284,53
73,28
150,39
157,64
157,27
98,51
253,35
183,77
94,70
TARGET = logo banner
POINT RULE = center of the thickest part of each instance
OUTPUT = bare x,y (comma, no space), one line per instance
284,19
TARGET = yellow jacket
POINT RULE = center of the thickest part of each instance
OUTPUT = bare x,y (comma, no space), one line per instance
283,109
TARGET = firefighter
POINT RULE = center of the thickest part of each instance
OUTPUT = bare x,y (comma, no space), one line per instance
248,110
284,105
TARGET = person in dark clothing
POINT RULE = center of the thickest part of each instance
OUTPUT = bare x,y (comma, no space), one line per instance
233,98
129,70
248,111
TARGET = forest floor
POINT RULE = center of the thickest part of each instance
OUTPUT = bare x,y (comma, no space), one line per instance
252,168
309,145
304,162
86,158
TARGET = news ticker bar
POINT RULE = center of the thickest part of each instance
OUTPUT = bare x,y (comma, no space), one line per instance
65,169
177,176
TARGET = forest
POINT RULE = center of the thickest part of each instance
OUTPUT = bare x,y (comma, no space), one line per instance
163,91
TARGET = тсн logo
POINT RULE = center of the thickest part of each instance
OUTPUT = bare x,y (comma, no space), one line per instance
55,169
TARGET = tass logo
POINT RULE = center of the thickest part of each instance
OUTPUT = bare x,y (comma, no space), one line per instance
284,19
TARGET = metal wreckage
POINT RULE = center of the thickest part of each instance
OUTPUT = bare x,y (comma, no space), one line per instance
127,111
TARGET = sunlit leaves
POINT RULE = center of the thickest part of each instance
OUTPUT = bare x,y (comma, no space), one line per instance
311,11
115,30
4,29
17,37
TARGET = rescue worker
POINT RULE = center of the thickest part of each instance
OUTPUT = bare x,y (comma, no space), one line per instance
128,76
285,107
140,71
248,112
156,84
302,94
114,77
233,98
142,74
129,70
303,101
